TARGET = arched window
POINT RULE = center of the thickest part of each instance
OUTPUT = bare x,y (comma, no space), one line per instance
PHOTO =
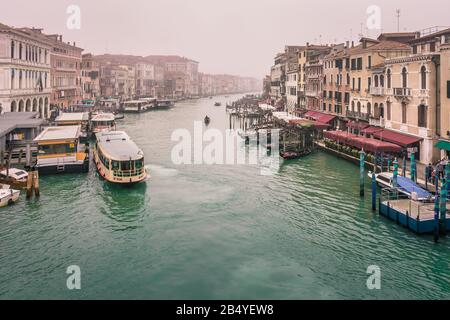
388,111
348,79
13,47
423,77
13,106
389,79
376,81
404,78
12,78
376,110
359,107
422,116
369,108
382,81
353,106
381,110
20,51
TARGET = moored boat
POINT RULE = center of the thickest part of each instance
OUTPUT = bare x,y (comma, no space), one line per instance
164,104
75,119
118,159
17,178
103,122
60,151
8,196
404,185
217,104
136,106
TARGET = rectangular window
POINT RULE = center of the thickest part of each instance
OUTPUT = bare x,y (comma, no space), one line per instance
448,89
359,84
369,62
360,64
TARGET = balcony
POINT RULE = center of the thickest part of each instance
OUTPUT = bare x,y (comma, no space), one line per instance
358,115
380,122
377,91
402,92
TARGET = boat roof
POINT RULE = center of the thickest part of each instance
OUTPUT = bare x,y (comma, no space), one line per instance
118,146
104,117
75,116
135,101
12,171
59,133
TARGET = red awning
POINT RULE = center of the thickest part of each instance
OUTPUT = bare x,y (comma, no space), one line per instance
303,122
360,142
398,138
371,130
357,125
320,117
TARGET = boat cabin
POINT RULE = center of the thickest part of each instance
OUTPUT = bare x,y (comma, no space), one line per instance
60,151
103,122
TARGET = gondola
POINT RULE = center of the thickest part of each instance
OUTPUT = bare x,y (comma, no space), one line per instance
295,155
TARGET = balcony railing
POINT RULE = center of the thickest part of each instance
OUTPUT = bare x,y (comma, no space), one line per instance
402,92
380,122
357,115
377,91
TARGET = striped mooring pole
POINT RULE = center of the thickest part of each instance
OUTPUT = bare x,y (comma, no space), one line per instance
436,212
395,176
413,167
443,204
374,185
362,161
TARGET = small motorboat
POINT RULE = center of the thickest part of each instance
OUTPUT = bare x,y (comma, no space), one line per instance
8,196
290,155
217,104
207,120
404,185
15,177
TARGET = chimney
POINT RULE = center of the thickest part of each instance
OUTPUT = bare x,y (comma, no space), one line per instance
353,44
60,38
307,44
74,44
347,44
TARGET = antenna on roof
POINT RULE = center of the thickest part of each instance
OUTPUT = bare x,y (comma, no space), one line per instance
398,19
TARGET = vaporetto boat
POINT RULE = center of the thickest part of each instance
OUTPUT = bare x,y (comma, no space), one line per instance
118,159
103,122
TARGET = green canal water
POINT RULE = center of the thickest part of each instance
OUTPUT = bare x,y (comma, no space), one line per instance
213,232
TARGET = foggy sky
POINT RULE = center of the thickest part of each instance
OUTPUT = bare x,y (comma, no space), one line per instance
226,36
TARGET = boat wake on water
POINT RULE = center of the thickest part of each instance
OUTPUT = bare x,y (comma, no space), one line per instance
156,170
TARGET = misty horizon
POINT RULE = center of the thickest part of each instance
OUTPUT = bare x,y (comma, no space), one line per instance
239,38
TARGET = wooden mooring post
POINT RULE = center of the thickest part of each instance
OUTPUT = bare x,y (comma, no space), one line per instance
33,184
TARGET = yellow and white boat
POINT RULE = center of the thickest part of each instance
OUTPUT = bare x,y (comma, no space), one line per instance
118,159
60,151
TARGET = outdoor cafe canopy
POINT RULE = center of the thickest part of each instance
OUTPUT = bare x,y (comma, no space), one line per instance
367,144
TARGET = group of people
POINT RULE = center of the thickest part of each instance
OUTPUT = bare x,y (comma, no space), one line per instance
437,171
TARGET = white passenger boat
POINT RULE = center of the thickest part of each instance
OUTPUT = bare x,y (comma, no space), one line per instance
60,151
118,159
75,119
136,106
103,122
8,196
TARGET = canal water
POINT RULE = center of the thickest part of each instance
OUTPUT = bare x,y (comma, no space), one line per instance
213,232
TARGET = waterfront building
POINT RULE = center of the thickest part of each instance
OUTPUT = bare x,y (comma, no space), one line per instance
24,71
66,83
145,79
90,77
117,81
314,73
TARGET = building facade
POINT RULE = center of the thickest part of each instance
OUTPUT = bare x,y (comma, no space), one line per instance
65,59
25,84
90,77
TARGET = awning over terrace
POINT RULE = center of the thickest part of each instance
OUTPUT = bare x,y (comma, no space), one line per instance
320,117
357,125
397,138
371,130
368,144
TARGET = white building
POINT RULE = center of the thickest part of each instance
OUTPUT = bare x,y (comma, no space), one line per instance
24,71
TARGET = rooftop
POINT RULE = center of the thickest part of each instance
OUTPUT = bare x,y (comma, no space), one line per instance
59,133
76,116
10,121
118,146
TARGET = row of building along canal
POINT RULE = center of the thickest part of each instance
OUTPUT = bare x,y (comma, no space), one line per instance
222,231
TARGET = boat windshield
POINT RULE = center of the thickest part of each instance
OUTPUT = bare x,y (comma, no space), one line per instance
128,166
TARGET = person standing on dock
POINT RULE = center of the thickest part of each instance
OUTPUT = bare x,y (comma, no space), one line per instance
428,172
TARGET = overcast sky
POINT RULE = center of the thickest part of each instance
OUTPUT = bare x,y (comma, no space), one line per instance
225,36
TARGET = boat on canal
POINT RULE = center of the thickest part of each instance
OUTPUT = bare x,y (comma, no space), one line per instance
60,151
17,178
137,106
118,159
293,155
217,104
405,186
164,104
8,196
103,122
